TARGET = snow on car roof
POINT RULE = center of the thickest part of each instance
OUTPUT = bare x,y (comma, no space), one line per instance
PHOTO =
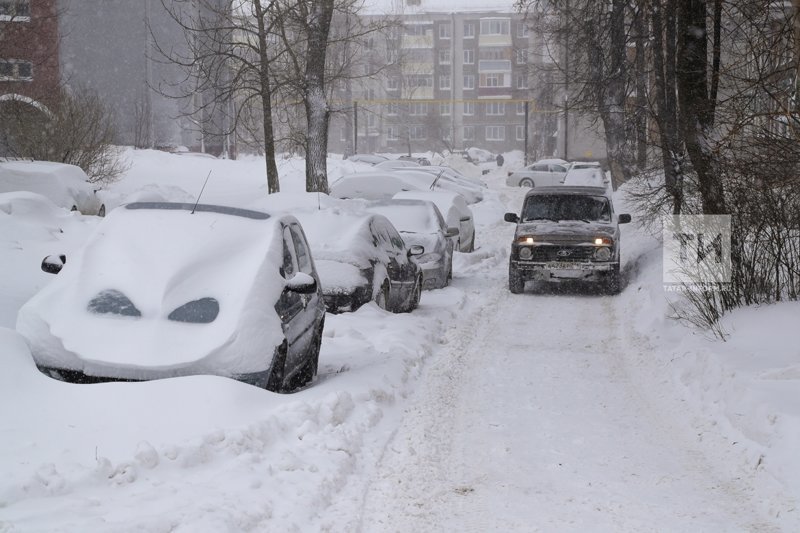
409,216
62,183
160,257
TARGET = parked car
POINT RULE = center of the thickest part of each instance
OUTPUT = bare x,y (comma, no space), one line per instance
65,185
566,233
455,211
543,173
452,178
394,164
585,176
422,161
479,155
372,159
436,180
163,290
361,258
420,223
375,185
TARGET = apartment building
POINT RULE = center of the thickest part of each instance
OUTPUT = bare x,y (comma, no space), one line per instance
29,68
450,80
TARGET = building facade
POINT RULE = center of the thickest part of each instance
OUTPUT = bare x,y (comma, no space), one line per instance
448,81
29,68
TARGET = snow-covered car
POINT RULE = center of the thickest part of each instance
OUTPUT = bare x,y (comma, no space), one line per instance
479,155
152,192
421,161
394,164
361,258
543,173
585,176
163,290
565,233
376,185
420,223
441,179
455,211
65,185
372,159
474,187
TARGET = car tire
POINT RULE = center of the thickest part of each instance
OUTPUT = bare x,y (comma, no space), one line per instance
515,282
416,295
526,182
613,281
102,211
471,247
275,382
382,298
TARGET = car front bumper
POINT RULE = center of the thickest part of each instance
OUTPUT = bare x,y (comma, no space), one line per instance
555,270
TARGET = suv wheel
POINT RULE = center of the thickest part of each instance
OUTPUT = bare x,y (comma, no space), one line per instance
515,282
613,281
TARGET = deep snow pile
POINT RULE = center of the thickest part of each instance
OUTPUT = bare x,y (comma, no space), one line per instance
210,454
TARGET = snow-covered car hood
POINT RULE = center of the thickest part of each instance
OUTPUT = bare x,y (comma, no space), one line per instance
161,260
567,231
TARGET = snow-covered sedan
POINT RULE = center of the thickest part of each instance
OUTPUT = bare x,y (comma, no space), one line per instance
420,223
65,185
543,173
565,233
455,211
163,290
361,258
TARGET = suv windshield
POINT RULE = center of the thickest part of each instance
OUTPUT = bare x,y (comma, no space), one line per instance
566,207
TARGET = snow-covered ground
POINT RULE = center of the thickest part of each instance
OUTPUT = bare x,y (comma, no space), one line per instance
480,411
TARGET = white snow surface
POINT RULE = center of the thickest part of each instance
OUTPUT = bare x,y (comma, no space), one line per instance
480,411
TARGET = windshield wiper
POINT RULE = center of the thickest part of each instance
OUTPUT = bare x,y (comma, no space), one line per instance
542,218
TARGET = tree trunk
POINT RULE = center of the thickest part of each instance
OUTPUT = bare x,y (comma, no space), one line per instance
316,103
273,183
696,108
612,104
641,89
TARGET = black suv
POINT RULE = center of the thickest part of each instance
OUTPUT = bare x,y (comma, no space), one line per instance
565,233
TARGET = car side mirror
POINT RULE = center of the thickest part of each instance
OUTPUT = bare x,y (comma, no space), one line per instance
416,249
52,264
302,283
451,232
511,217
623,219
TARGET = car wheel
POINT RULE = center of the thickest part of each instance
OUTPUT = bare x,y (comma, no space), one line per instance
449,277
413,302
275,382
526,182
515,282
612,280
102,211
382,298
471,247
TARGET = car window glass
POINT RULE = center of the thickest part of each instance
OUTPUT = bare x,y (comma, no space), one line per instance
289,261
558,168
301,249
540,168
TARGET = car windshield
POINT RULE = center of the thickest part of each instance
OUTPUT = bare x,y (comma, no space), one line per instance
559,207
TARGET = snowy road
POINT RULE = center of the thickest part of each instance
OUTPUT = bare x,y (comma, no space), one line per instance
529,420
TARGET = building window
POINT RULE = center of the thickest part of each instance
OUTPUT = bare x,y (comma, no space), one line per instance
469,57
495,108
392,109
469,30
521,55
520,108
495,27
372,120
14,70
522,30
469,133
469,108
417,133
418,109
495,133
391,133
522,81
469,81
417,30
412,82
493,79
392,84
444,31
520,133
444,109
18,10
444,81
444,56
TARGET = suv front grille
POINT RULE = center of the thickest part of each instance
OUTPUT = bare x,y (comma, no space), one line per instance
562,253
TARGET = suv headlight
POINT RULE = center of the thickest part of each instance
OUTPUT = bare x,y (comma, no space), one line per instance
525,253
602,254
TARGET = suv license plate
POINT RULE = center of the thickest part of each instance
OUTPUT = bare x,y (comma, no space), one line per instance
567,266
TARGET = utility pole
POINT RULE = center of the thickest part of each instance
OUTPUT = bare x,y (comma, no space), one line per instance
566,86
526,132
